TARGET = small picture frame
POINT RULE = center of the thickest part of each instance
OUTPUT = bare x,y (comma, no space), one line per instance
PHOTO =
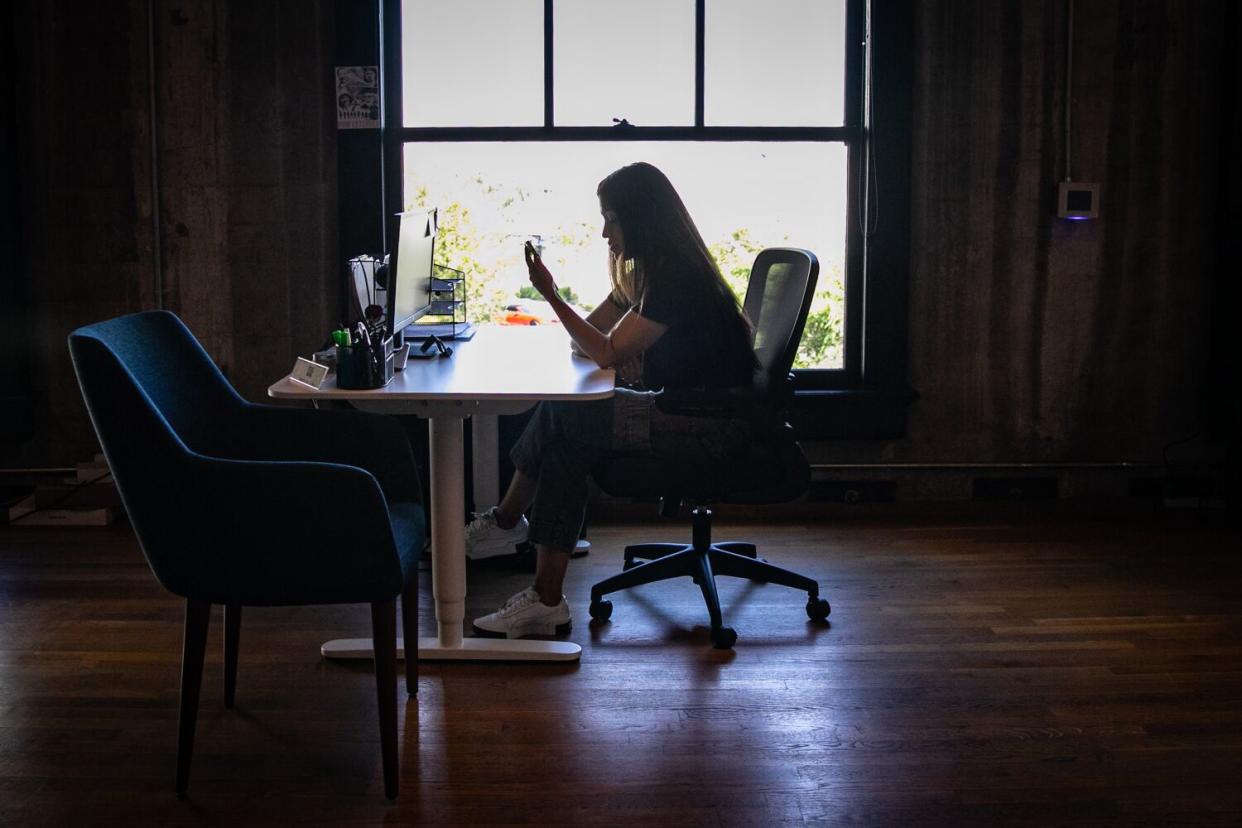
308,373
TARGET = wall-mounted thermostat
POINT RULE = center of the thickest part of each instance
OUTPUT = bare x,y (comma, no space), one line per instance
1078,201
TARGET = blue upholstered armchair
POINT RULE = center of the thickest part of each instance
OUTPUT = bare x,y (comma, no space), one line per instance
240,504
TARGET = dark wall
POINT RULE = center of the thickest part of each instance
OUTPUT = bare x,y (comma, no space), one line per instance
1030,339
1034,339
16,402
244,181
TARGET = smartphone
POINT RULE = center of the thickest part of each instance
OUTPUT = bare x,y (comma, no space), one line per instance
532,255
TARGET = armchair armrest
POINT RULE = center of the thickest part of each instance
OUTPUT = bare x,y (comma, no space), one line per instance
265,532
374,442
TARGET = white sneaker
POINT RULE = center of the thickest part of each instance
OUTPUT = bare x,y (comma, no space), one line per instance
485,538
525,614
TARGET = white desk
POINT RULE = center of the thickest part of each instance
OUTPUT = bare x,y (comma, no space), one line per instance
502,370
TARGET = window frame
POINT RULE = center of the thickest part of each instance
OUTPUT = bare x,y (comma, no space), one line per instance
828,402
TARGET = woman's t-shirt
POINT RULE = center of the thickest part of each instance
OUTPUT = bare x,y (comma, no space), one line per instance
706,344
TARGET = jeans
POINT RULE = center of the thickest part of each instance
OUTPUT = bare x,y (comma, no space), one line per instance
565,440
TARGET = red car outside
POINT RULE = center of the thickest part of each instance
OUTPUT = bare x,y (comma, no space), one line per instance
520,314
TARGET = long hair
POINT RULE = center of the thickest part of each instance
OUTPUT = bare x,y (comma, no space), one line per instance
659,235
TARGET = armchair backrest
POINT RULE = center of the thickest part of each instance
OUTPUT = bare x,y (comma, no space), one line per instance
778,299
153,396
166,365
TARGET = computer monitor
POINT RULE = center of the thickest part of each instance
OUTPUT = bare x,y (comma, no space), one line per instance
410,269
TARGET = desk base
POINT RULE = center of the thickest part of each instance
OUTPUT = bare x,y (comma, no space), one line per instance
470,649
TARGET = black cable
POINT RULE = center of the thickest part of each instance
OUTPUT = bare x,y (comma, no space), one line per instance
873,155
1164,452
869,201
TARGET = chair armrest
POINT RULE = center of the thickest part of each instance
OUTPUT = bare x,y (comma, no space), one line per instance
727,403
261,532
374,442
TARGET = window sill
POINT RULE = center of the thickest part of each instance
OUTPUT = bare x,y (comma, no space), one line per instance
851,414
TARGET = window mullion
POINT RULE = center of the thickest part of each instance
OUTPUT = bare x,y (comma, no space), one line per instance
548,89
628,133
700,37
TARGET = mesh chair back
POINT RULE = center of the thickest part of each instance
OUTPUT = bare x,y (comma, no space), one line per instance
778,298
773,469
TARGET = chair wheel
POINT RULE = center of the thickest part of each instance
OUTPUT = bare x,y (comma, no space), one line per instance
817,609
723,638
601,610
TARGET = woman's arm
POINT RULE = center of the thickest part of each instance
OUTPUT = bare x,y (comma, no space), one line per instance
626,339
606,315
604,318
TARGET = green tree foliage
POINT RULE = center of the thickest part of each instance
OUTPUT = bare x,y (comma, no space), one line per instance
734,256
824,333
564,291
457,246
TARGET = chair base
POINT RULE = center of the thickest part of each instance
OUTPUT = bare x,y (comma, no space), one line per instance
702,560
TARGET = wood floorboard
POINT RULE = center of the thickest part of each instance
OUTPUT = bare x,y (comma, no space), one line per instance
1022,668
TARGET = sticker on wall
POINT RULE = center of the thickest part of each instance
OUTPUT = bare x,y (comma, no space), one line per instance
357,97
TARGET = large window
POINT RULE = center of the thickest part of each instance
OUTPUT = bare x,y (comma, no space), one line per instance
505,114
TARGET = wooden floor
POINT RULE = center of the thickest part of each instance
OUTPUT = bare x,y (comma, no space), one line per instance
1024,669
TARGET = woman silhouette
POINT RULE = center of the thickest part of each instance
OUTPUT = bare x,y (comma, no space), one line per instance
670,309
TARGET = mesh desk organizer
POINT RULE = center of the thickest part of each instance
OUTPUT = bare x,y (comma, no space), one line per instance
447,317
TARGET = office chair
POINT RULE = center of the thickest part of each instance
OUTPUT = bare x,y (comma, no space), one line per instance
774,469
249,505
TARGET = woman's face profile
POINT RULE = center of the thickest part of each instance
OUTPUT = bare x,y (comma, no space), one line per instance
612,231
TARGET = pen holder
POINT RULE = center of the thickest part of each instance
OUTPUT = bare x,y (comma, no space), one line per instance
360,367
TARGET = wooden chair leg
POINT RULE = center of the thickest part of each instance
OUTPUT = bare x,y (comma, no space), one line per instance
193,650
409,632
232,634
384,637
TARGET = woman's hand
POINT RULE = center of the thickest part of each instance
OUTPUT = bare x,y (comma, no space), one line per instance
540,276
630,372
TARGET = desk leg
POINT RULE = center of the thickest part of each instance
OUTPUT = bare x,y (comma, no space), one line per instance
448,573
448,538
